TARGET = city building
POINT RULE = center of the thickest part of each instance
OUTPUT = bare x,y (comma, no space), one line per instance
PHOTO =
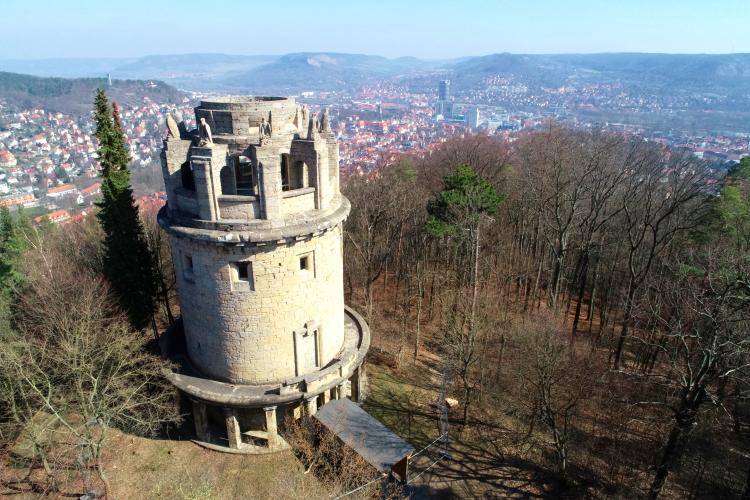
7,160
255,218
444,90
472,118
62,191
444,105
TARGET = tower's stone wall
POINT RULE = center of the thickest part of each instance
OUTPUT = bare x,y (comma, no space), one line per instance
244,331
259,273
239,115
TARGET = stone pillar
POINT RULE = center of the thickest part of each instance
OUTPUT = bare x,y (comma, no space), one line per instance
174,154
339,391
201,420
357,381
325,397
269,184
271,427
311,406
233,429
204,187
207,163
324,181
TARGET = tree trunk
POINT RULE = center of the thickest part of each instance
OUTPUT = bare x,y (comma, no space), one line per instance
431,303
104,478
538,279
420,298
368,301
581,291
475,279
385,276
669,455
746,492
556,277
165,299
625,324
155,328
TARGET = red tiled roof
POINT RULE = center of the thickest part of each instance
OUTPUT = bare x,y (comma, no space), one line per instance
61,189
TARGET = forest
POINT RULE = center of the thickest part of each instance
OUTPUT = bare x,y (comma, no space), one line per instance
581,298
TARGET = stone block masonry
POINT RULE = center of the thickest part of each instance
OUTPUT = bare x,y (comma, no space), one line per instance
255,219
242,329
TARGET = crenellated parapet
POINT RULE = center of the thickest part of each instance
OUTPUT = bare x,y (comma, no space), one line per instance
252,158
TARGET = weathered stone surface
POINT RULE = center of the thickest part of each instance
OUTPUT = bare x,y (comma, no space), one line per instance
348,364
255,219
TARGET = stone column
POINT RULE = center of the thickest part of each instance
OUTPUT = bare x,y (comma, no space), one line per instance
207,163
357,381
311,406
339,391
201,421
271,427
325,397
324,181
269,184
204,186
233,429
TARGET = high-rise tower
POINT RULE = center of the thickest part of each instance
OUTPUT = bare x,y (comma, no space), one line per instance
444,105
444,90
255,219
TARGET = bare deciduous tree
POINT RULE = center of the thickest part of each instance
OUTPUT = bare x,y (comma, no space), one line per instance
554,383
702,316
76,360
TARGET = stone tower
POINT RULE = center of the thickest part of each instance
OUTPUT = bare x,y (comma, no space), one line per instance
255,216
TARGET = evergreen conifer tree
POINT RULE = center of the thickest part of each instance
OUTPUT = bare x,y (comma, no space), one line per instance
14,235
128,264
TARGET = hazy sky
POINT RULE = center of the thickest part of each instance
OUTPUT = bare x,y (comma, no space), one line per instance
428,29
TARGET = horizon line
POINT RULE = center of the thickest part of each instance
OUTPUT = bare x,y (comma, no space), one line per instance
539,54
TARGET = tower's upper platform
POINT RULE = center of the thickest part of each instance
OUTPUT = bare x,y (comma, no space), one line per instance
243,115
261,167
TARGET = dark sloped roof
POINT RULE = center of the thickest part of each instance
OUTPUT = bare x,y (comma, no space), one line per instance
373,441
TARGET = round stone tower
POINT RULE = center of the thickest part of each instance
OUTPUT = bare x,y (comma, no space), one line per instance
255,216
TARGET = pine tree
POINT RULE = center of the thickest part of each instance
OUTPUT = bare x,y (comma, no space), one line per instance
6,226
127,260
14,236
457,212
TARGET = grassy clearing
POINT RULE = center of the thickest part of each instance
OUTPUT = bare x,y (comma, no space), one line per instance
168,469
143,468
478,465
407,409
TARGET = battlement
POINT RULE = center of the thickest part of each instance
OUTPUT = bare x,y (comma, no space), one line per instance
242,115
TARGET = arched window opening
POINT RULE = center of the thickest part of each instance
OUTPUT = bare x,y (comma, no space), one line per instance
188,179
243,169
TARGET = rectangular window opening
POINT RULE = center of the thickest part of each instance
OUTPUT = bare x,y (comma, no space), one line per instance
187,266
242,276
304,263
285,173
242,270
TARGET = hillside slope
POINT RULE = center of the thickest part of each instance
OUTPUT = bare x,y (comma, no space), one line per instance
75,96
324,71
193,71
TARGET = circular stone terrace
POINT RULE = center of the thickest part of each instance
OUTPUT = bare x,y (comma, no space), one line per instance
188,379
